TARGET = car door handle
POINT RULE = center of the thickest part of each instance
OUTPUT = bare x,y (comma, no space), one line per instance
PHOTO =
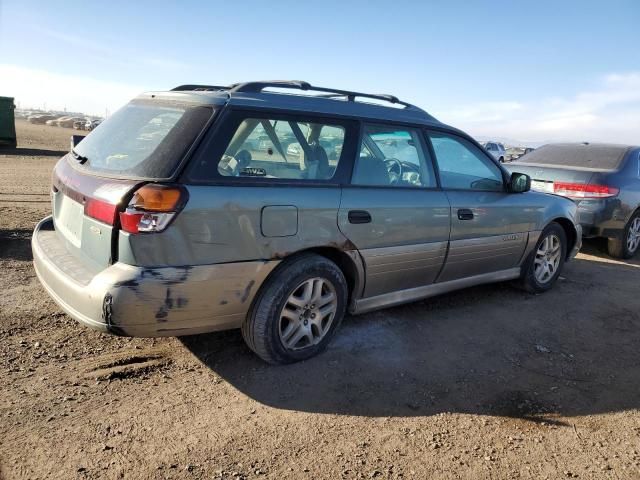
465,214
359,216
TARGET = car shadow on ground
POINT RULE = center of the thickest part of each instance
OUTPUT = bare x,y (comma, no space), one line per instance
490,350
15,245
32,152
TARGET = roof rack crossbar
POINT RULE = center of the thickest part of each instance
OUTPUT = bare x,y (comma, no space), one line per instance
257,87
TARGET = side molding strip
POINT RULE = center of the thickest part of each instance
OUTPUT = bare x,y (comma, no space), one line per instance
364,305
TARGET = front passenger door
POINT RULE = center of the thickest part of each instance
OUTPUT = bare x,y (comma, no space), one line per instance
489,225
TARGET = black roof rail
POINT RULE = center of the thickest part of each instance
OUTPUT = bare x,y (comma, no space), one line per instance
204,88
257,87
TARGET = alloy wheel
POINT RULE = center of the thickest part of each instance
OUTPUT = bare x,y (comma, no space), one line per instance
633,237
307,314
547,259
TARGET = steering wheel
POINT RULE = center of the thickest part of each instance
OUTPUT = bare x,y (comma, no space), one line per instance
394,167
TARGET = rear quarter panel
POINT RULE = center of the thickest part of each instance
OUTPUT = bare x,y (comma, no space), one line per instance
223,224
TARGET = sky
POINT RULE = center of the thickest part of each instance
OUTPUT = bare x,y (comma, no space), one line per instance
532,71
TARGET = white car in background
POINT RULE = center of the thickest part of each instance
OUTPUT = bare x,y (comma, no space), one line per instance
497,150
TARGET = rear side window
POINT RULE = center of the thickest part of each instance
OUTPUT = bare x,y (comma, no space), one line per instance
283,149
463,166
143,139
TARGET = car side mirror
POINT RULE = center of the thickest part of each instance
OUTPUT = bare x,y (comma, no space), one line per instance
75,140
519,183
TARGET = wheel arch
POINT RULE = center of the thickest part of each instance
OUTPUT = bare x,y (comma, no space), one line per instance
348,261
569,230
633,213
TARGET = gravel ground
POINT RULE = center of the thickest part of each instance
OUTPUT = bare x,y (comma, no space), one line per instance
488,382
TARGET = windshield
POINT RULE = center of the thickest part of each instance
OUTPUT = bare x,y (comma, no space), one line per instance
142,139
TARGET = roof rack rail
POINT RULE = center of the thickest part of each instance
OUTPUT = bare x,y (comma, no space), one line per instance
204,88
257,87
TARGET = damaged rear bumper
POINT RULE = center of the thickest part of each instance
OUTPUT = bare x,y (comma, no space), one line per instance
142,301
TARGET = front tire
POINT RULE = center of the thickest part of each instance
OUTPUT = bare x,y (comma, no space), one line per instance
543,266
297,311
627,246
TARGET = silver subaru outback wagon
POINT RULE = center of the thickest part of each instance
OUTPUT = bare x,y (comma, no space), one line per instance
208,208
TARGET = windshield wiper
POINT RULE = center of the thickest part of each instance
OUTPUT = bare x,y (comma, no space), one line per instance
77,156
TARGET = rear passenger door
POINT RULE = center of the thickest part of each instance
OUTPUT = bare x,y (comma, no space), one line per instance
393,211
489,225
267,184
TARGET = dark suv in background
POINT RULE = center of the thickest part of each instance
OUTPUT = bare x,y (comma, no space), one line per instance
208,208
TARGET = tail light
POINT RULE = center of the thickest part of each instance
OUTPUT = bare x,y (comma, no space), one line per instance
100,210
152,208
583,190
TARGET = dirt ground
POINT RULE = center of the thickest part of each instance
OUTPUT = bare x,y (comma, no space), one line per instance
488,382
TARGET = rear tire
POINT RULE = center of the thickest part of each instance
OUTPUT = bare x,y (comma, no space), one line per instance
543,266
626,246
297,311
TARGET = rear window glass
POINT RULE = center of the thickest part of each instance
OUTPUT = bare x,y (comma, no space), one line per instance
283,149
143,139
605,157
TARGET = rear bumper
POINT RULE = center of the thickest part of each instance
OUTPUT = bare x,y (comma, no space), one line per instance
142,301
578,245
601,218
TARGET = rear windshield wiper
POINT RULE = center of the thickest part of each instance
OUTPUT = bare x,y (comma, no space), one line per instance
77,156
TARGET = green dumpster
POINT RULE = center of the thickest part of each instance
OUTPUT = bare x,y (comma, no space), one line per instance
7,123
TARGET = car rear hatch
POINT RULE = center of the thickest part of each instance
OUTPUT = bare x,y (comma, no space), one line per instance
144,142
85,212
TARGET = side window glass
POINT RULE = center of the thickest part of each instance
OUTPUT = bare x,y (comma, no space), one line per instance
285,149
393,156
463,166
